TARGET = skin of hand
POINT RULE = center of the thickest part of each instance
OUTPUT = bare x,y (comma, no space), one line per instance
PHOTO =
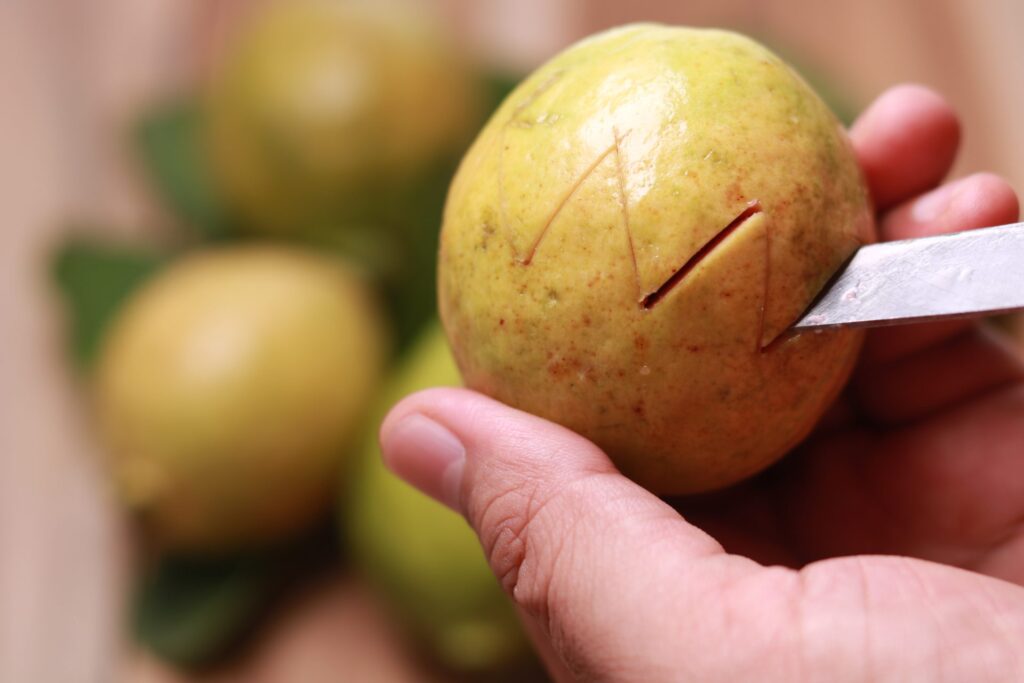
888,547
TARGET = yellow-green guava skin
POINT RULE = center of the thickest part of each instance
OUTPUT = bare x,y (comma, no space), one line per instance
320,101
229,388
423,558
601,176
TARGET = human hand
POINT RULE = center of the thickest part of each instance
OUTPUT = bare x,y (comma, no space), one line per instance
780,578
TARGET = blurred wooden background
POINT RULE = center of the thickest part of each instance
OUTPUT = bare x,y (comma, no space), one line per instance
74,73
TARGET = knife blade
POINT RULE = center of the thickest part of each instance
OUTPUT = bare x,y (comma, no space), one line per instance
959,275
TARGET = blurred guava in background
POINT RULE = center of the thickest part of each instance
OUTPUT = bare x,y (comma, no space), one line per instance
423,558
321,105
228,388
340,123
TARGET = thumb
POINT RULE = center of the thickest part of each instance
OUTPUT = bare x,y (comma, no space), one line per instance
583,551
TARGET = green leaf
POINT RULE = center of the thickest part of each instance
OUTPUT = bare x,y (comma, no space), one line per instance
94,279
414,212
498,85
168,140
189,611
193,610
830,91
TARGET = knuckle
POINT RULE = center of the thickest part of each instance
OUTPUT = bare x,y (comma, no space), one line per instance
522,545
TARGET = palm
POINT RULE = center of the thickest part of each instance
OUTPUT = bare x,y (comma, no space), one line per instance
923,454
945,489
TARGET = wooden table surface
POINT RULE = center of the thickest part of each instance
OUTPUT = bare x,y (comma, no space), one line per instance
71,74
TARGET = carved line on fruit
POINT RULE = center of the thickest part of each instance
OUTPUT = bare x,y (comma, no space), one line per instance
502,201
652,298
624,198
647,301
534,96
761,345
525,260
514,118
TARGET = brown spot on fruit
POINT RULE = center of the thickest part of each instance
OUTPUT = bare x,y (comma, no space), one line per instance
734,193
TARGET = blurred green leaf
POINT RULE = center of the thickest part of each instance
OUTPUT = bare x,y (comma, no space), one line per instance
497,85
189,611
414,212
94,279
831,92
195,610
169,142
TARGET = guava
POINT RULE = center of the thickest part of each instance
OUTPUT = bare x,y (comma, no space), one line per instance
319,104
423,558
229,388
628,239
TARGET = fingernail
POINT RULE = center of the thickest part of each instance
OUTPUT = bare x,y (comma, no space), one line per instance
426,455
932,205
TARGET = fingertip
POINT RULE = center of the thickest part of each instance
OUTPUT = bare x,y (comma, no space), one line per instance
426,437
449,405
980,200
903,108
906,142
488,425
411,403
422,451
987,199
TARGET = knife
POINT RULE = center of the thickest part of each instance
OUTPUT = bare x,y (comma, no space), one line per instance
960,275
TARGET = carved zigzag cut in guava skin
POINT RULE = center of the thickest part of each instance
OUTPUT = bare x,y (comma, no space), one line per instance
651,299
648,300
534,96
525,260
624,199
512,119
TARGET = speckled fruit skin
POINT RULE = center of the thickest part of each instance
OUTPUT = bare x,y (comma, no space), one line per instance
229,388
639,154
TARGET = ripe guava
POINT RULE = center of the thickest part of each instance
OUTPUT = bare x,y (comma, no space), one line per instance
228,389
422,557
630,236
321,103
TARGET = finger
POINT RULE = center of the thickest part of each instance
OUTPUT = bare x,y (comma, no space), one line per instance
906,142
586,553
946,489
968,365
978,201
